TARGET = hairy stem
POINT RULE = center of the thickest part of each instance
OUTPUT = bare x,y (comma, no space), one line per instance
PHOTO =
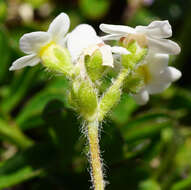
96,165
113,95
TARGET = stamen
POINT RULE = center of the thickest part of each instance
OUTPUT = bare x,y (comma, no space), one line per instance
139,38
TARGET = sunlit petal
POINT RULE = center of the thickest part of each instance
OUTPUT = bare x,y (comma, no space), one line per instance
116,29
33,42
156,29
163,46
29,60
59,27
80,38
142,97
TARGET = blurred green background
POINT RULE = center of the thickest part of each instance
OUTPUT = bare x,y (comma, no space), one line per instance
41,146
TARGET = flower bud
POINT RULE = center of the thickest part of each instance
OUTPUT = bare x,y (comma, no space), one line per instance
57,59
84,98
94,66
110,99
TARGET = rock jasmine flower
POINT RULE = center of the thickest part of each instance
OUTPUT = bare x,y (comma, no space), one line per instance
34,44
157,76
155,33
153,69
83,41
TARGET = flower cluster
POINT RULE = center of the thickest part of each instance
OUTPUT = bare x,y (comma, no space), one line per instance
143,50
139,61
153,69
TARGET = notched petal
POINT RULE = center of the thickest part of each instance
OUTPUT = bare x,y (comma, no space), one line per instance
172,74
156,29
163,46
142,97
32,42
80,38
116,29
59,27
29,60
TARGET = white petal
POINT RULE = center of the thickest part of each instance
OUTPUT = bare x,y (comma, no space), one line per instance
107,58
157,63
157,87
163,46
120,50
156,29
32,42
59,27
80,38
111,37
172,74
116,29
142,97
29,60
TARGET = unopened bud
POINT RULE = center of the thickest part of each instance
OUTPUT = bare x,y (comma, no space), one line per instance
94,66
57,59
84,97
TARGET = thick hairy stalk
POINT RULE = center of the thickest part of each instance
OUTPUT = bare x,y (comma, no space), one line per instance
112,96
96,165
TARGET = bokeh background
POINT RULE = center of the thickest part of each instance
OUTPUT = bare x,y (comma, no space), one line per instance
41,145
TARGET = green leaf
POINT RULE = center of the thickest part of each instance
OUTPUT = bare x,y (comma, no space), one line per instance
18,89
27,164
5,53
63,130
94,9
145,126
149,185
18,177
3,10
56,90
14,135
184,184
123,110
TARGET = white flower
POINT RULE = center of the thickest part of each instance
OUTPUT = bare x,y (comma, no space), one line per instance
83,41
157,76
35,43
156,33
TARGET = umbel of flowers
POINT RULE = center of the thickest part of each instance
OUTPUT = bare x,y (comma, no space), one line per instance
140,62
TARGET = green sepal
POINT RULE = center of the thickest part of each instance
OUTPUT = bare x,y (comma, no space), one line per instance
113,94
137,55
110,99
133,83
84,98
94,66
57,59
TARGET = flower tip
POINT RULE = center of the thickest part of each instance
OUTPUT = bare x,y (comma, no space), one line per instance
178,49
11,68
101,26
105,27
174,73
62,16
142,97
167,28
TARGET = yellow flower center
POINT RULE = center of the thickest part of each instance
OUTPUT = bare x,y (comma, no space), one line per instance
46,47
144,72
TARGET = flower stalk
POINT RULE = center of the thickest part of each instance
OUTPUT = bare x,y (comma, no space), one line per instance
113,94
95,160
